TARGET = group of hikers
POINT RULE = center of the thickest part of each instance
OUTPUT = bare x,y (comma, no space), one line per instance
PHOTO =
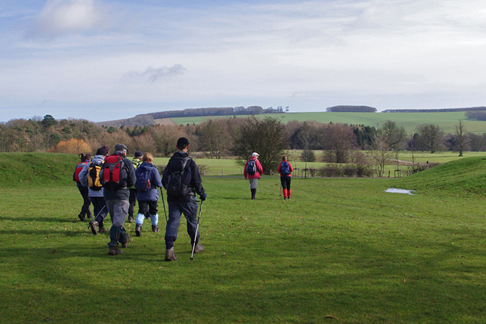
113,184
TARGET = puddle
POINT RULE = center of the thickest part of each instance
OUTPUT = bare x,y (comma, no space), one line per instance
402,191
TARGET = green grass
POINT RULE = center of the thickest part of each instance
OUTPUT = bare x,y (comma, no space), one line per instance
447,121
340,251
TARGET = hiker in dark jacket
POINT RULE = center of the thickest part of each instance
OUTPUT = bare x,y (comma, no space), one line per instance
95,191
182,199
116,197
253,177
85,211
285,169
147,198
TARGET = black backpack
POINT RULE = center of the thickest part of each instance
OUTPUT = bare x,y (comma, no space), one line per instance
177,168
251,168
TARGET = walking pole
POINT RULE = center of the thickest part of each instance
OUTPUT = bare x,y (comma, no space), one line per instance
163,202
89,225
197,228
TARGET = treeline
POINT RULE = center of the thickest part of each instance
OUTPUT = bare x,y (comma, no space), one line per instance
343,108
221,111
478,115
433,110
216,137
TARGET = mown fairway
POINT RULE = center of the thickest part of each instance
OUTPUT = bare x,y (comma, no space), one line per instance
340,251
447,121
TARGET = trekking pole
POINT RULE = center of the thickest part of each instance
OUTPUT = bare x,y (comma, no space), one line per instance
197,228
163,203
89,225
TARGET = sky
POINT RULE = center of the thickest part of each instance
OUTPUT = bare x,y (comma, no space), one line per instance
111,59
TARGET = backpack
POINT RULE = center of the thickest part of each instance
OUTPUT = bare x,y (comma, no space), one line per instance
94,181
251,168
78,169
175,183
284,168
114,174
143,179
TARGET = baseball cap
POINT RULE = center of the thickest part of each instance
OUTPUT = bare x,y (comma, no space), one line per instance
182,142
255,154
120,147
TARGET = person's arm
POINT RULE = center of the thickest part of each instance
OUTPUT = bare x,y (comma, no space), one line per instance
83,175
244,170
157,179
278,169
290,167
131,177
196,179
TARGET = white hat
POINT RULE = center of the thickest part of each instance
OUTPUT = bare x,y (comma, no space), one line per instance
255,154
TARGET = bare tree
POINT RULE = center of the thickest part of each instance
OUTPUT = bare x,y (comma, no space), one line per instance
268,137
340,139
461,139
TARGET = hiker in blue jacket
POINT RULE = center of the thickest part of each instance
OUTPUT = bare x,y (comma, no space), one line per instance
148,180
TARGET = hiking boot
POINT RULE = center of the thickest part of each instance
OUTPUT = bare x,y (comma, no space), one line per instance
131,219
124,245
93,225
155,228
81,217
138,230
198,248
90,216
114,250
102,229
170,255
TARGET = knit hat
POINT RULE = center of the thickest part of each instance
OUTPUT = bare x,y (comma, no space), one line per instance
101,151
138,154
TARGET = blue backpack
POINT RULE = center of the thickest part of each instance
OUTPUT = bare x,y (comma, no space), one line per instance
251,168
143,179
284,169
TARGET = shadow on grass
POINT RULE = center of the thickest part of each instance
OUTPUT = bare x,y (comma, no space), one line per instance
43,219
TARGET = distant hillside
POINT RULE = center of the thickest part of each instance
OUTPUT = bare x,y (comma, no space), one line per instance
139,120
365,109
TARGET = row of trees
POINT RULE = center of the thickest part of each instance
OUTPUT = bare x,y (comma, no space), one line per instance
239,137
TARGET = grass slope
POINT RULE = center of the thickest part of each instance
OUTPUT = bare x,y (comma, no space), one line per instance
459,177
447,121
340,251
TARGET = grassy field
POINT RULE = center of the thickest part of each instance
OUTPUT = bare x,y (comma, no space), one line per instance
340,251
410,121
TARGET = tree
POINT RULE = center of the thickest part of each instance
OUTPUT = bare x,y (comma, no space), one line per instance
340,139
461,139
214,137
73,146
268,137
430,137
391,135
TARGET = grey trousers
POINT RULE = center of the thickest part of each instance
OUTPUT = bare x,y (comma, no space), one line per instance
118,210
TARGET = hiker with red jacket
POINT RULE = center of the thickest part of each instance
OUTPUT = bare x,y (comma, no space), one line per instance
253,170
117,175
285,169
148,180
85,211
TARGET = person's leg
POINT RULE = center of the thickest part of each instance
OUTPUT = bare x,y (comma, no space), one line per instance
171,230
142,210
99,209
253,187
86,201
154,215
190,212
118,210
284,186
133,201
288,186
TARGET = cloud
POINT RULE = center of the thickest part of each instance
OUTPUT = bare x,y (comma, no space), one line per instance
152,75
61,17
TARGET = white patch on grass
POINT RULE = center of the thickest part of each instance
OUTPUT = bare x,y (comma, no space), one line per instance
402,191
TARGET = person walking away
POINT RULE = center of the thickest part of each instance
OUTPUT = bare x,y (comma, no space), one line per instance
285,169
253,171
148,180
117,175
85,211
182,181
90,178
136,161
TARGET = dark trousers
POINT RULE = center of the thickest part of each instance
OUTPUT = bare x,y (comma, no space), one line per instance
132,200
285,181
148,207
100,210
189,209
86,201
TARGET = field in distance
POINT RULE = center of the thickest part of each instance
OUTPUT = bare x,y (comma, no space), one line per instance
446,120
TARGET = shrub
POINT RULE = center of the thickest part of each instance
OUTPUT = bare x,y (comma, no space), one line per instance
331,170
311,157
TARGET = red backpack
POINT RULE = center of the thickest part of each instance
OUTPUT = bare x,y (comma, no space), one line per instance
78,169
114,175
